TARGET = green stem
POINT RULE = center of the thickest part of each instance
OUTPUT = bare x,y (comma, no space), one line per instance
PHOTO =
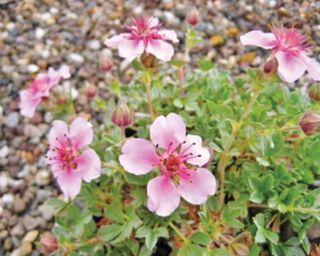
226,154
147,81
178,232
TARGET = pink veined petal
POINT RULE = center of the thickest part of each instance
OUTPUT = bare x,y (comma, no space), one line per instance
152,22
130,49
64,71
259,38
115,41
312,66
163,197
70,184
88,165
197,186
290,67
57,133
168,132
169,35
138,156
80,132
54,77
28,103
193,147
161,49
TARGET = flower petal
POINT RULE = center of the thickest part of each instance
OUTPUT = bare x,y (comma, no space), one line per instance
138,156
313,67
115,41
258,38
196,186
290,67
80,132
88,165
70,184
153,22
168,132
169,35
193,148
130,49
64,71
163,197
161,49
28,103
57,133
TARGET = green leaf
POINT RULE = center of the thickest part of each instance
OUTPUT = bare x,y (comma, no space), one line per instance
200,238
109,232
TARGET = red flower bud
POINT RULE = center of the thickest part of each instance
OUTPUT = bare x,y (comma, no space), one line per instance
122,116
48,243
193,18
91,91
270,66
106,63
314,92
310,123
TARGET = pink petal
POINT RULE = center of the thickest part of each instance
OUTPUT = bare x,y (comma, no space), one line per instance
64,71
169,35
115,41
193,147
313,67
197,185
153,22
81,132
70,184
28,103
161,49
163,197
57,133
168,132
290,67
130,49
89,165
258,38
138,156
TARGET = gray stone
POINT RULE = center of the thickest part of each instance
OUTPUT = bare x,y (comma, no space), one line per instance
12,120
19,205
43,178
43,195
314,231
18,230
47,211
3,235
30,222
7,199
76,57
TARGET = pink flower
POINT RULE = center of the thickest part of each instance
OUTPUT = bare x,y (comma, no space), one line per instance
144,35
70,165
290,49
179,158
40,89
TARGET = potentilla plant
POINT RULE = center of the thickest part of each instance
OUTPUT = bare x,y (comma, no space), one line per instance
231,167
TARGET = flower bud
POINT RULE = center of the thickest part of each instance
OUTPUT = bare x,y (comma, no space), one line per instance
48,243
91,91
193,18
270,66
106,63
310,123
122,116
314,92
148,60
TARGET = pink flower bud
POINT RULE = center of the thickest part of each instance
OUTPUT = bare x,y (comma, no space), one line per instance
314,92
91,91
106,64
122,116
193,17
48,243
148,60
270,66
310,123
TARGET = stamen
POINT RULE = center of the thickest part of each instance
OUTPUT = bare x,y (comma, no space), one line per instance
187,148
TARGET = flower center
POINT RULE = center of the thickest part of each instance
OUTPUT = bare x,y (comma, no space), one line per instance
143,30
172,163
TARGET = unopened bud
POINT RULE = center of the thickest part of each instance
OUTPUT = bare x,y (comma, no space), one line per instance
310,123
314,92
48,243
148,60
122,116
91,91
270,66
193,17
106,64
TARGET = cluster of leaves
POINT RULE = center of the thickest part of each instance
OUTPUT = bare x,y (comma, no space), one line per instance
271,168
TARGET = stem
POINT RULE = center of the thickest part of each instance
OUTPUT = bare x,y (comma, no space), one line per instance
149,98
225,155
178,232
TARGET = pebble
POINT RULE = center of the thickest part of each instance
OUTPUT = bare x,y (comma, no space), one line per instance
32,68
30,222
19,205
8,244
47,211
43,178
94,44
43,195
39,32
31,131
25,249
7,199
31,236
3,235
12,120
18,230
24,172
76,57
4,181
4,151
